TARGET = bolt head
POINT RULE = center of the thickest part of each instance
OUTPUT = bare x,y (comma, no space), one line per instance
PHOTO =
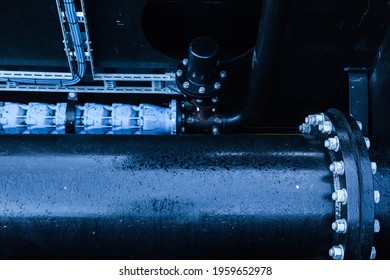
217,85
340,226
377,197
360,125
374,168
373,253
185,61
223,74
214,100
314,119
368,143
325,127
332,252
202,90
186,84
377,226
183,130
190,120
332,144
327,143
337,167
72,95
337,252
340,196
215,130
179,73
305,128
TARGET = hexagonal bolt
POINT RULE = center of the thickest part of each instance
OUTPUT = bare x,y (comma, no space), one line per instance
337,252
325,127
340,196
217,85
337,167
215,130
374,168
305,128
190,120
314,119
72,95
340,226
360,125
185,61
377,197
368,143
186,85
179,73
373,253
202,90
223,74
214,99
377,226
333,144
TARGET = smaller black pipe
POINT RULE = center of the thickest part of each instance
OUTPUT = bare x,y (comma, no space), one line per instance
270,30
202,60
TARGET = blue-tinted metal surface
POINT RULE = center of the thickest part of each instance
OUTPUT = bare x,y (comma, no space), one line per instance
226,197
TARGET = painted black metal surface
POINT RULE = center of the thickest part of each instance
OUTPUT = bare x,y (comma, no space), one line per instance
31,37
380,87
229,197
358,97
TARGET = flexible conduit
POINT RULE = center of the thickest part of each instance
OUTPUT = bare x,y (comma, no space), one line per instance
77,41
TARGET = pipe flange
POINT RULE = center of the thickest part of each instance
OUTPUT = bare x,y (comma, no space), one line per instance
199,91
354,194
199,76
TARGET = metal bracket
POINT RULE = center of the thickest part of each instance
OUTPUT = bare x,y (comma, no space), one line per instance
358,96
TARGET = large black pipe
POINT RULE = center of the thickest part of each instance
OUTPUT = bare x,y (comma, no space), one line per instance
271,26
148,197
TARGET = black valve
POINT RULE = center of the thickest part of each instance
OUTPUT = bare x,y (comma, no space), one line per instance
200,76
